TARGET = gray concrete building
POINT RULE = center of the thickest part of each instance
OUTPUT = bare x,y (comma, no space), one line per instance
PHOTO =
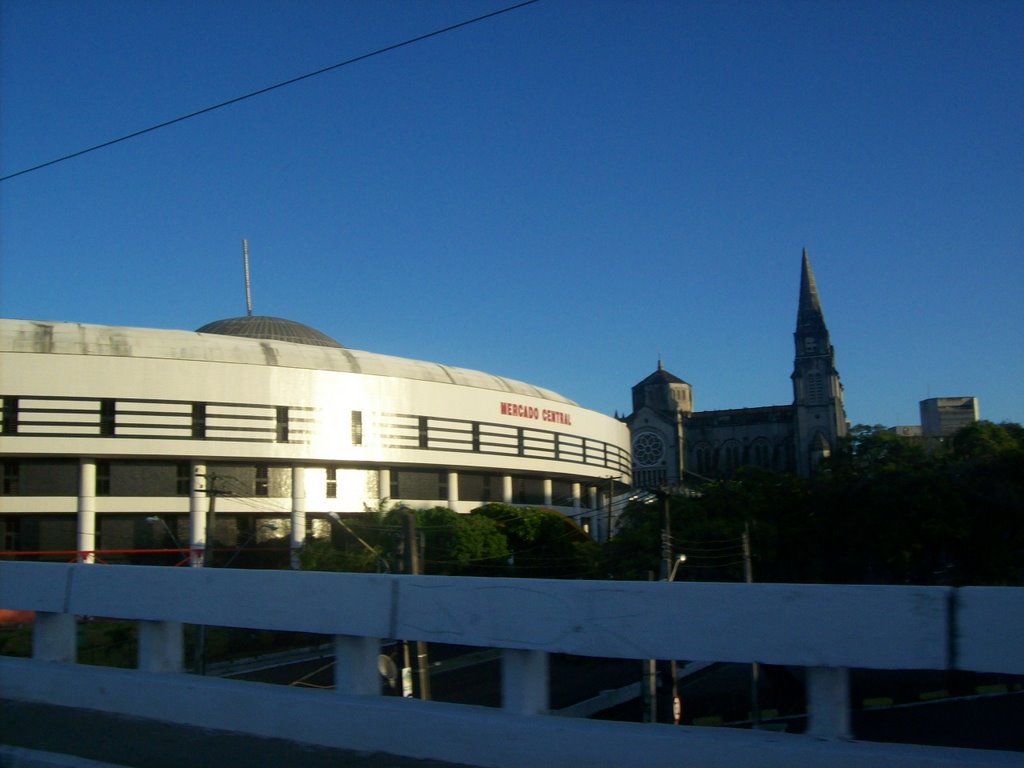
942,416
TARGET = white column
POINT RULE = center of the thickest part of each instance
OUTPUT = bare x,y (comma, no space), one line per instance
53,637
524,682
453,489
576,496
298,514
198,503
86,539
547,491
828,702
355,665
383,485
160,646
506,489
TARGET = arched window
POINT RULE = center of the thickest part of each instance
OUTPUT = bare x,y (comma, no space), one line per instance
731,456
761,454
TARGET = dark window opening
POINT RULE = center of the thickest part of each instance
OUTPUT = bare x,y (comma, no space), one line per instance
10,416
199,420
357,427
282,423
12,478
183,481
103,478
262,481
423,427
108,417
11,532
331,491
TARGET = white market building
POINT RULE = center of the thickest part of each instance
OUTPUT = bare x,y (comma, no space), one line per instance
112,434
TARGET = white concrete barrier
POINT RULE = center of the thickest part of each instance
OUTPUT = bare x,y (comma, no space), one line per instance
823,628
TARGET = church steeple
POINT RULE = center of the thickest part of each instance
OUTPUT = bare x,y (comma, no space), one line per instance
817,391
809,317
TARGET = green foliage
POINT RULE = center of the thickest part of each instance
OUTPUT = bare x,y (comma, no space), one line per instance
543,543
455,544
884,508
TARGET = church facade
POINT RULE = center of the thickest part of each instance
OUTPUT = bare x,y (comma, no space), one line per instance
672,442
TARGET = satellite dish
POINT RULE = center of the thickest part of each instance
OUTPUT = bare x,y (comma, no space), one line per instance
387,667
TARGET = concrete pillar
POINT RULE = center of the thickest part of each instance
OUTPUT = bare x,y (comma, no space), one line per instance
86,540
577,499
453,489
506,489
383,485
298,519
524,682
828,702
160,646
198,504
53,637
547,491
355,665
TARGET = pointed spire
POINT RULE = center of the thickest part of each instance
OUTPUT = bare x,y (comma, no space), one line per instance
809,312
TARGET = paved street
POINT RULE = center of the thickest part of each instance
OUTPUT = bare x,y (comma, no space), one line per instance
126,741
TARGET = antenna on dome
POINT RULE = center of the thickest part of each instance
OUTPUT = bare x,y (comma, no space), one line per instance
245,266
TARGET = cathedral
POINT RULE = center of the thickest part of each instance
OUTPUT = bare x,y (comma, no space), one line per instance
672,443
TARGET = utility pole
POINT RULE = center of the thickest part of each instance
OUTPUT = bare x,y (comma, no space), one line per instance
414,567
755,667
611,493
669,563
206,562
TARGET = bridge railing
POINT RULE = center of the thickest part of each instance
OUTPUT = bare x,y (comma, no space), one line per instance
825,629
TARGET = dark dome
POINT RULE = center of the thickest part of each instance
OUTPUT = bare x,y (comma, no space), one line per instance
272,328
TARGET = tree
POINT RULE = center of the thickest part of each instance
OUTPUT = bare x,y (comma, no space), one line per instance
542,542
455,544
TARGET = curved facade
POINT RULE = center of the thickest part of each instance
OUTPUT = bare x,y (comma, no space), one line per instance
127,433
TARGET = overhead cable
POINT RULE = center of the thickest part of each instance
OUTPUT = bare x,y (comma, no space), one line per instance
261,91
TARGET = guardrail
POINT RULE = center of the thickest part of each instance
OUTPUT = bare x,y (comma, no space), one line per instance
824,628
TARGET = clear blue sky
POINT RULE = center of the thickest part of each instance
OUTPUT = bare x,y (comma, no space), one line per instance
559,194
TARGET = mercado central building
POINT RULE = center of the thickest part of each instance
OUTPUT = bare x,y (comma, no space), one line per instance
116,438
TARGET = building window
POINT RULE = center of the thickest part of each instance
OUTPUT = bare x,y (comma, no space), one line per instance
183,481
815,388
730,458
108,416
331,490
761,454
357,427
103,478
423,432
262,481
282,423
476,437
12,478
198,421
10,416
12,532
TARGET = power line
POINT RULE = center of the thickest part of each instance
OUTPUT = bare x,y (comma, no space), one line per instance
261,91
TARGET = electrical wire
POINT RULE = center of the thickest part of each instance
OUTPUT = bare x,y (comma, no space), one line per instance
267,89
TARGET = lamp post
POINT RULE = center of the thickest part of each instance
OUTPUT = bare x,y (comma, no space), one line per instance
170,533
414,566
249,540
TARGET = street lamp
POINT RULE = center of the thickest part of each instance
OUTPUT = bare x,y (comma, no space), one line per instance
382,564
680,559
158,519
249,540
